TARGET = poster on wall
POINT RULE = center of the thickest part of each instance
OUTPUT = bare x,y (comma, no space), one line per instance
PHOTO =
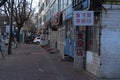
83,18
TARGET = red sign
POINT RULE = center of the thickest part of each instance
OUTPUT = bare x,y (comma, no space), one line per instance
80,44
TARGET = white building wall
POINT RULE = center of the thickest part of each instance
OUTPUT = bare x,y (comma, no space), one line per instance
110,44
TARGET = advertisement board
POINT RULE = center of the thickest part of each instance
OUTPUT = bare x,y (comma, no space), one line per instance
83,18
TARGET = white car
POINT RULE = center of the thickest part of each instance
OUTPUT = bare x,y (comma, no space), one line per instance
37,40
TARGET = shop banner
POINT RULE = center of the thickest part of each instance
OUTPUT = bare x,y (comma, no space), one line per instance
83,18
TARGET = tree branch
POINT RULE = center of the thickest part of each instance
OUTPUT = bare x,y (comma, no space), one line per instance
2,2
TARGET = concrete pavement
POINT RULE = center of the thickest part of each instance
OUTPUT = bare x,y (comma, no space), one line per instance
32,62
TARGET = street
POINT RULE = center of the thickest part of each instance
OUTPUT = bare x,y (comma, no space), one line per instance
32,62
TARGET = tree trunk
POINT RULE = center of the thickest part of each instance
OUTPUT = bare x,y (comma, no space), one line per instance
18,34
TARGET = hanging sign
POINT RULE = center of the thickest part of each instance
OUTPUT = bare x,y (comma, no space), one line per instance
83,18
81,4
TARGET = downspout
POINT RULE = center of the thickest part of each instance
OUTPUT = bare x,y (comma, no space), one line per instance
100,33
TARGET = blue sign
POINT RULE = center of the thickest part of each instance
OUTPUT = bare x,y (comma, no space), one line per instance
69,13
85,4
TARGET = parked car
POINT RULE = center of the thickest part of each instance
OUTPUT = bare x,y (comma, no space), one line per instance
37,40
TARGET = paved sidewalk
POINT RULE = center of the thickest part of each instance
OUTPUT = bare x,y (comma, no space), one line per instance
32,62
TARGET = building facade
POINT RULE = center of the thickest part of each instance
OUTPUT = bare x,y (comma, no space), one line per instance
92,47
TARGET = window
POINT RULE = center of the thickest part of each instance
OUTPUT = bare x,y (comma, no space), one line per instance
93,37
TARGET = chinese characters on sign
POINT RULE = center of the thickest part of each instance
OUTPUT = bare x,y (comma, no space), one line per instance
83,18
80,41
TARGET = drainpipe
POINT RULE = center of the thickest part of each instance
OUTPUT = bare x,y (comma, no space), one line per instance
100,33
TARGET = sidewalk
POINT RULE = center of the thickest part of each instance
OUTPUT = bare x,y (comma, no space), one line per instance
32,62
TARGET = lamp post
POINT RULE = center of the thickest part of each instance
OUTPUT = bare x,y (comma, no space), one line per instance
10,33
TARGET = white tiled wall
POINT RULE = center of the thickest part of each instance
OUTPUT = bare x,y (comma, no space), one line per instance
93,63
110,45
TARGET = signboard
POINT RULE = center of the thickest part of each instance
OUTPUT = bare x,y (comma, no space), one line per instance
83,18
69,13
80,47
8,28
80,41
85,4
81,4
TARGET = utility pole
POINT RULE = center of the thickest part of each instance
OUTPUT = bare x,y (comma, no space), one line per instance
10,33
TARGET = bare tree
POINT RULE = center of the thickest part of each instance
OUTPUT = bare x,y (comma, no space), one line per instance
2,2
22,10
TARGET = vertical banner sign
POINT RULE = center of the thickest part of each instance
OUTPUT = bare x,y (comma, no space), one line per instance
80,47
83,18
80,41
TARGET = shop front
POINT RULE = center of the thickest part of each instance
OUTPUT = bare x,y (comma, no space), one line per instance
55,22
69,47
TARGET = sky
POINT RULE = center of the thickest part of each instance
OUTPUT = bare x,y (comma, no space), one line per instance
35,4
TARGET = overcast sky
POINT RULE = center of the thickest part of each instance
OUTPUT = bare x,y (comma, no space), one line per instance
35,4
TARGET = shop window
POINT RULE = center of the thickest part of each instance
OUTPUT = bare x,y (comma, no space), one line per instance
93,35
92,38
